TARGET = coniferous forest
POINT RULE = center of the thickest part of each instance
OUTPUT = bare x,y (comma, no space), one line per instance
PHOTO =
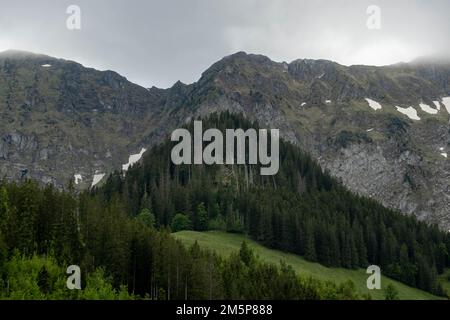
119,233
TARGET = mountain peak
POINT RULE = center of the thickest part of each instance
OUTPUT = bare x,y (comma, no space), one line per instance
242,56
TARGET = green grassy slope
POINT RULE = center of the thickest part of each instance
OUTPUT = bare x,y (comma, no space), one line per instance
445,280
226,243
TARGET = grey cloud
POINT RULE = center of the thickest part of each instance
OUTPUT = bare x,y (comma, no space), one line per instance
160,42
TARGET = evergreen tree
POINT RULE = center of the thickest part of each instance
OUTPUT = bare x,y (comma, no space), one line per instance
310,246
246,254
180,222
3,253
147,217
44,281
4,207
391,292
201,218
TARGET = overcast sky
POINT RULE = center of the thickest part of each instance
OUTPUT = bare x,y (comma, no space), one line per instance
157,42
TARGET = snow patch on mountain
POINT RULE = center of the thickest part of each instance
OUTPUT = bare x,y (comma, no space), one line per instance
410,112
46,65
97,178
427,108
446,103
78,178
133,159
437,104
373,104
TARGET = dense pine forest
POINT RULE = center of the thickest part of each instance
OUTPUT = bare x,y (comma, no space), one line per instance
124,257
119,233
300,210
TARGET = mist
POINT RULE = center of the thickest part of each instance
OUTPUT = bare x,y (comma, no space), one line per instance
156,43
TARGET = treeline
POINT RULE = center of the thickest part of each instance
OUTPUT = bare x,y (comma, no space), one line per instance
119,234
301,210
43,231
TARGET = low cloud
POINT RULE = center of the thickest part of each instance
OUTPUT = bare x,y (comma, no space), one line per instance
159,42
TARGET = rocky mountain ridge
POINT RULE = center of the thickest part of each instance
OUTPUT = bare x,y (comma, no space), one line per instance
384,131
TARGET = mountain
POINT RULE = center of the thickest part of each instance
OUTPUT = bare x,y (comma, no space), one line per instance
384,131
301,210
59,119
119,234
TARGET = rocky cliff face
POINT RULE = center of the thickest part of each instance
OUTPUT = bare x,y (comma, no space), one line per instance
59,119
384,131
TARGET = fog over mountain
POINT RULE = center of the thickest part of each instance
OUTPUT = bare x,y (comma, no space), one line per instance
156,43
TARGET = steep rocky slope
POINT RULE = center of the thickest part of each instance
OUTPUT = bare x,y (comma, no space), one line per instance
59,119
362,123
383,130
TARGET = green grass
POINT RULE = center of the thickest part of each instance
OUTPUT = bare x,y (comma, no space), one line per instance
226,243
445,280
